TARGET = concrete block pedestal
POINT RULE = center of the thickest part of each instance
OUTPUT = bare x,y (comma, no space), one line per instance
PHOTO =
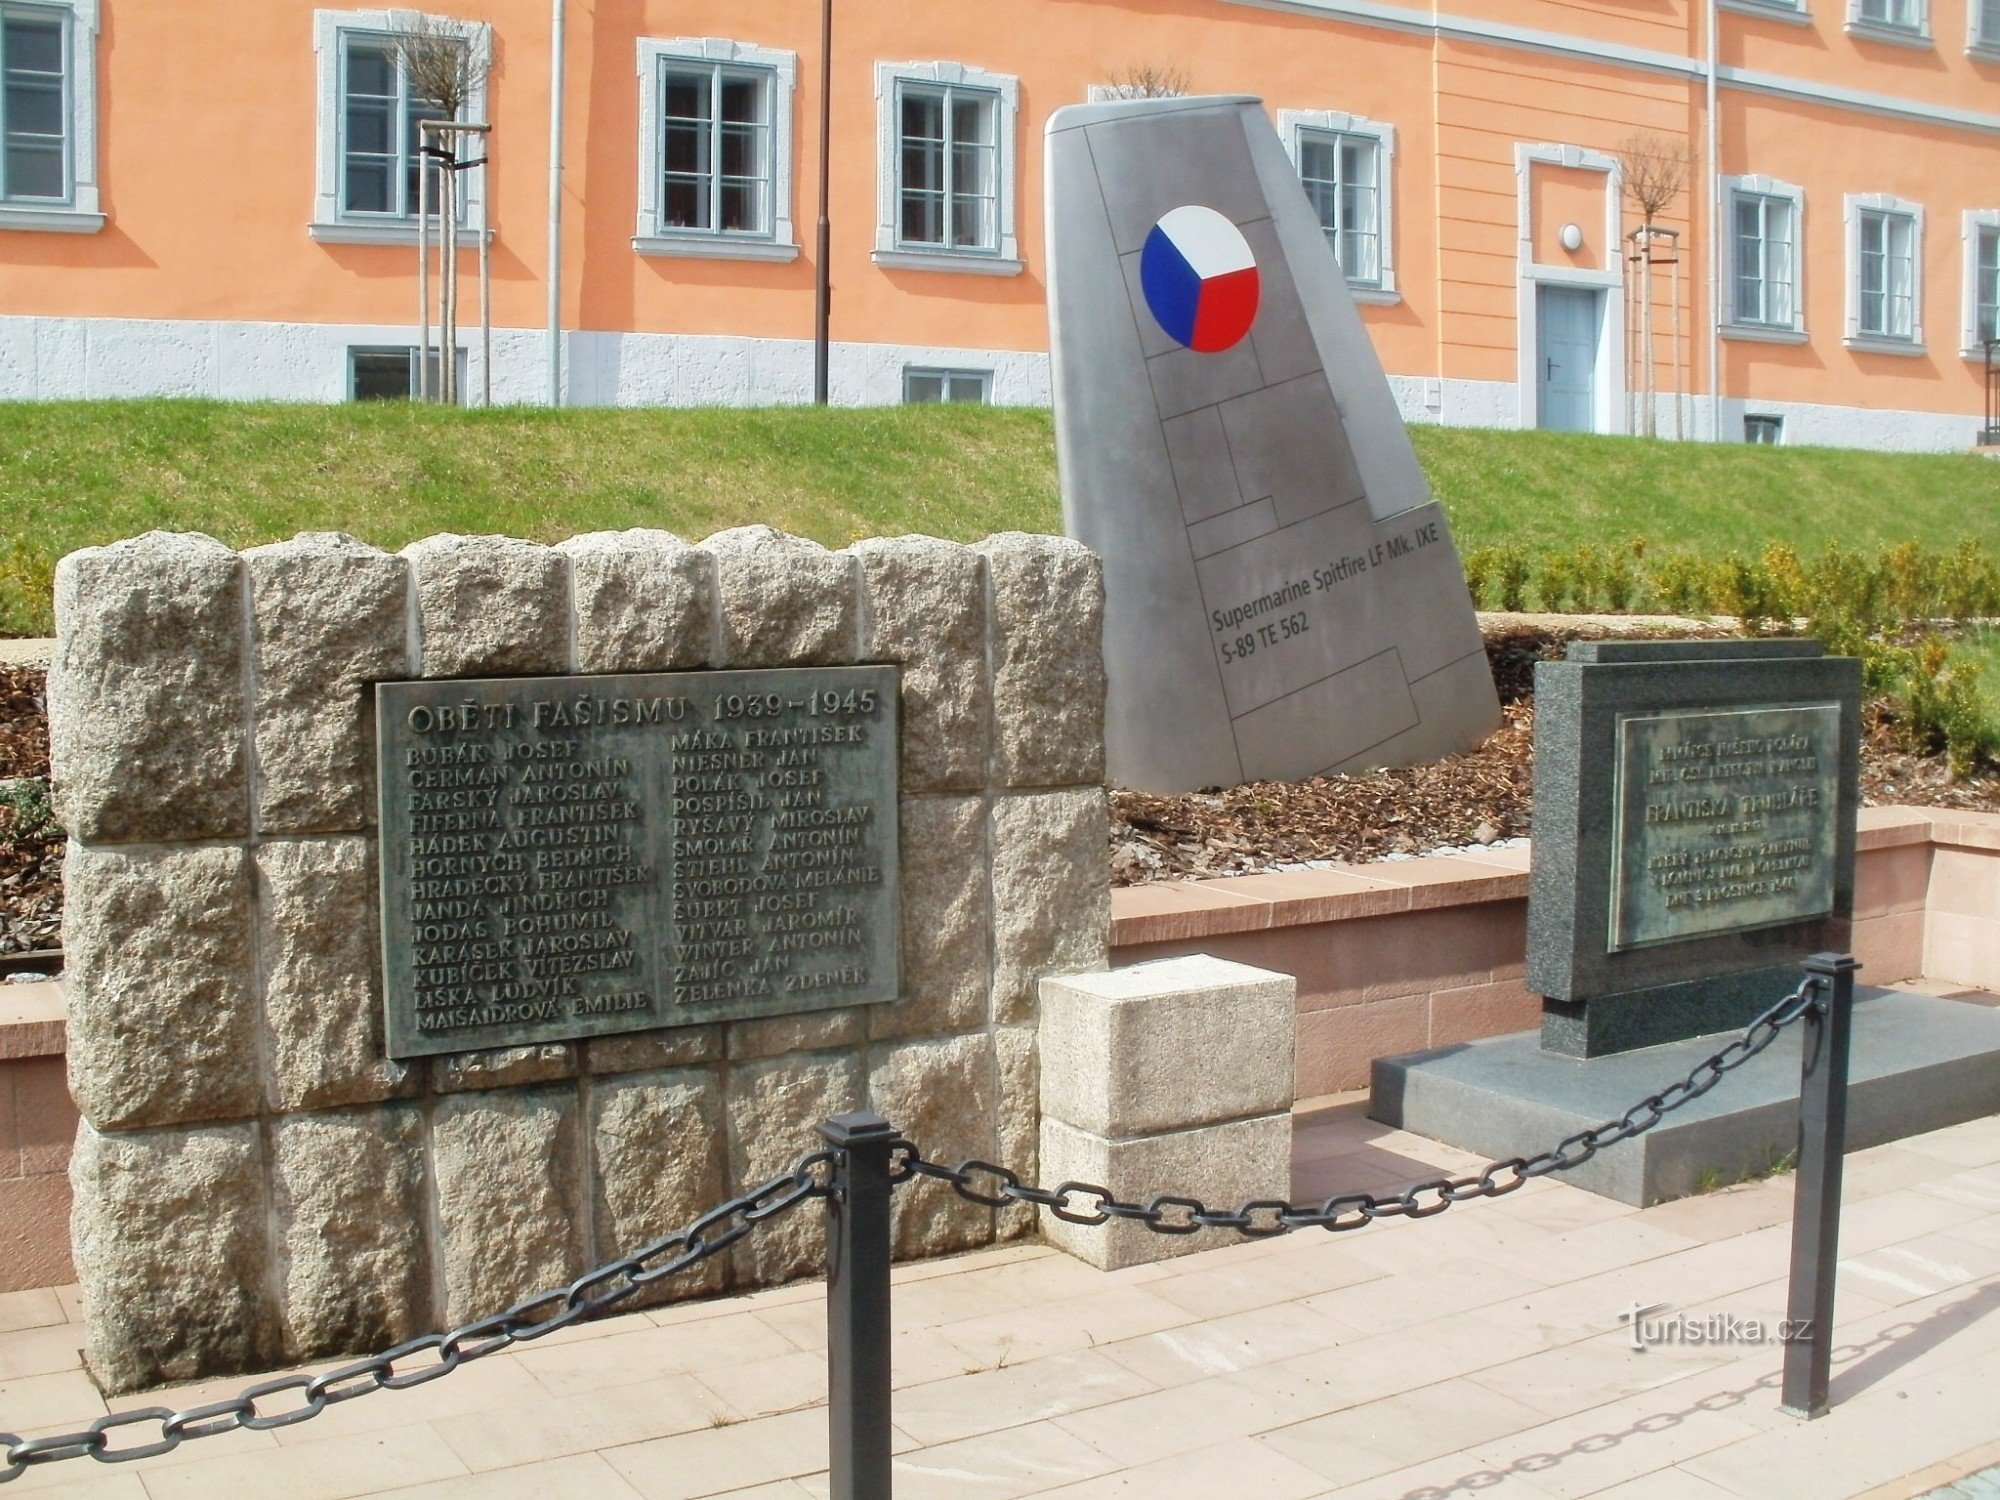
1165,1078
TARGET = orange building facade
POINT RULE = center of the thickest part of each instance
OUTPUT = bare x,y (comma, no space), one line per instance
216,198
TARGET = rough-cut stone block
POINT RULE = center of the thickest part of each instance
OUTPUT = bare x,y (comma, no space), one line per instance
784,601
349,1193
1048,661
644,601
330,616
650,1051
775,1107
171,1232
1051,896
322,947
162,1022
657,1146
926,608
146,700
1222,1165
490,605
807,1031
1166,1045
1017,1065
940,1095
502,1067
509,1201
946,966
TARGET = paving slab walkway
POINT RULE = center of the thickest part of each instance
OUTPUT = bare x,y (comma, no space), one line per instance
1479,1352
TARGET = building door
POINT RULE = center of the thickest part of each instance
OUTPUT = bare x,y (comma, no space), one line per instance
1566,319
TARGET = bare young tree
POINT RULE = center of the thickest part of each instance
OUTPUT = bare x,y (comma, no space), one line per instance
1655,170
1148,81
445,65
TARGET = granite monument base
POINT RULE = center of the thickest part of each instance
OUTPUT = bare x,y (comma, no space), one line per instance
1664,1013
1918,1064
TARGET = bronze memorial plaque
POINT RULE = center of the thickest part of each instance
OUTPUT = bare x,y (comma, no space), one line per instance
1725,821
568,857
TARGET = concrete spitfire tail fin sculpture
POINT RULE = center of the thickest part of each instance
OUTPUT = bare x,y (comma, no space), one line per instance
1282,597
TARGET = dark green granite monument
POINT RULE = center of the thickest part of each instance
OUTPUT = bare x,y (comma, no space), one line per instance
1694,838
1695,806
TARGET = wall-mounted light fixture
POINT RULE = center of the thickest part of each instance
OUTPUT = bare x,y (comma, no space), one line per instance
1572,238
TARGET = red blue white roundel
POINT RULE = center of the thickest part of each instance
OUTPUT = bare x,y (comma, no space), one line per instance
1200,279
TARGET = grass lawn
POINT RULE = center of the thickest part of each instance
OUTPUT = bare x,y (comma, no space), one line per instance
76,474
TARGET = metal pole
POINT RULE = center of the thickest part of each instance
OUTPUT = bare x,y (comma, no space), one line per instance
485,276
1710,106
1816,1198
823,280
423,269
556,46
857,1307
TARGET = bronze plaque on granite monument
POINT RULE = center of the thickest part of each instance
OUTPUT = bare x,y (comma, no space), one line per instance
1726,821
567,857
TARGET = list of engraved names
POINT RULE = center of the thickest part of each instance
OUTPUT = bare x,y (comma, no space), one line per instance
1725,821
569,857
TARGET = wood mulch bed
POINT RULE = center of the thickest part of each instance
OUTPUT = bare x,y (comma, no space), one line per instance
31,846
1482,797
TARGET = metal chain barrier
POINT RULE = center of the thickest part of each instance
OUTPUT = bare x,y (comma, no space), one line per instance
1090,1204
421,1360
864,1161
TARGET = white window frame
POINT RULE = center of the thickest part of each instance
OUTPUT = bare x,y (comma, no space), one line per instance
332,224
947,374
1793,332
77,211
1792,12
1895,33
1295,124
1856,205
890,252
1978,221
1981,42
650,236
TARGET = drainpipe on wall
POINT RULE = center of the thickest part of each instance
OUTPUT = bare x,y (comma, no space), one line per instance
1714,235
556,45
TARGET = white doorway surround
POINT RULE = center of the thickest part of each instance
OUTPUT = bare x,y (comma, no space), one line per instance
1606,397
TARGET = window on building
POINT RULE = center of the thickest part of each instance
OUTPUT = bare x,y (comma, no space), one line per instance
370,170
1985,299
1985,19
716,148
380,145
1342,173
922,387
1886,275
1763,429
948,160
34,106
1766,235
1899,15
389,373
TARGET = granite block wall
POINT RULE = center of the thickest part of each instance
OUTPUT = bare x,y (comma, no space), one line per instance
256,1183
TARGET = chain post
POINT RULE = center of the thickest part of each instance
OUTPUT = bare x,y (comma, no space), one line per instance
1816,1197
857,1306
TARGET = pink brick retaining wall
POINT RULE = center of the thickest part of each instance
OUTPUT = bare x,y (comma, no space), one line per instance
1388,957
1392,957
37,1125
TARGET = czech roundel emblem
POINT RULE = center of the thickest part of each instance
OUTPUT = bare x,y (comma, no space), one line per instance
1200,279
